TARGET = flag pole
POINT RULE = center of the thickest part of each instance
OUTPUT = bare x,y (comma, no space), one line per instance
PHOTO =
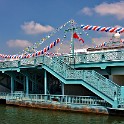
72,39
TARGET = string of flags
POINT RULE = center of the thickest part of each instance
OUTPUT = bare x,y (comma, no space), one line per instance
31,52
103,29
37,53
61,43
37,44
31,49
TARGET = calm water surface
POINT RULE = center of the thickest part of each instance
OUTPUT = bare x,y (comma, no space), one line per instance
20,115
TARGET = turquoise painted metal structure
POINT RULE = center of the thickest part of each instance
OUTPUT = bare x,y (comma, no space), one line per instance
68,69
64,69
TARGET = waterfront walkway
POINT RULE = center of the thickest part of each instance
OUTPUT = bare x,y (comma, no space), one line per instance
85,104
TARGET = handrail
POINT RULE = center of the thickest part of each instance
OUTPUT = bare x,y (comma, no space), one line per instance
56,99
91,57
91,77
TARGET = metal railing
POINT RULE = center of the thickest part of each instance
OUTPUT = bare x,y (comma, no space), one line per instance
3,95
91,77
62,68
117,55
55,99
94,57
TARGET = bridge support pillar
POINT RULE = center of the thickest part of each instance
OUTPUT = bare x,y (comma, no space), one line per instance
12,83
24,84
62,84
45,82
27,85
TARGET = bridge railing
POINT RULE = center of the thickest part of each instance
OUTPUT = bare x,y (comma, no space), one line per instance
7,64
34,61
56,99
25,62
91,77
120,102
3,95
94,57
101,83
69,59
62,68
59,65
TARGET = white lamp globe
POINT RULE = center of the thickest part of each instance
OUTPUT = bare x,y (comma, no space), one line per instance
117,35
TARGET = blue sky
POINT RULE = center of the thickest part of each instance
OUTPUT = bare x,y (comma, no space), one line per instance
24,22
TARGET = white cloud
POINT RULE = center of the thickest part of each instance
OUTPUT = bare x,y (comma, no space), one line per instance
116,9
35,28
18,43
87,11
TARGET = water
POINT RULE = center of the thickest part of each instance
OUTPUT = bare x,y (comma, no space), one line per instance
20,115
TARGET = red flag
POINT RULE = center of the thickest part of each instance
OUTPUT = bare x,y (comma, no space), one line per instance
77,37
80,39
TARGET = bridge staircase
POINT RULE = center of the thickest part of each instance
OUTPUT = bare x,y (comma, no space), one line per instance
92,80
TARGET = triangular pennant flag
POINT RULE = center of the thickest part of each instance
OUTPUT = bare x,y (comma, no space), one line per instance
75,36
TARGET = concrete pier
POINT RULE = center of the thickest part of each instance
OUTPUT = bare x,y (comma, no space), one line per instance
63,107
